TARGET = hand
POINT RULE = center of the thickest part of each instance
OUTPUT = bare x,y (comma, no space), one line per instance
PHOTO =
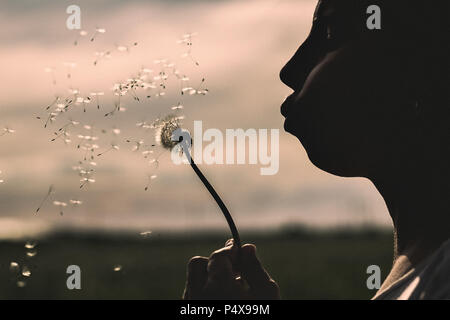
224,276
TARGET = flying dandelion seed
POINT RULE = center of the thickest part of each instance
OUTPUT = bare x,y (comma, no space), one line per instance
21,284
186,40
76,202
82,33
113,147
50,191
69,66
97,95
144,83
97,31
14,267
52,73
61,205
26,272
150,178
7,130
31,254
30,244
85,181
145,234
179,106
101,55
117,268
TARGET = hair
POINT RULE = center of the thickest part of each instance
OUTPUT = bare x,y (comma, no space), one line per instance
416,31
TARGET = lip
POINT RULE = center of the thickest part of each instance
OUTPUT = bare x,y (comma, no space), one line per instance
286,105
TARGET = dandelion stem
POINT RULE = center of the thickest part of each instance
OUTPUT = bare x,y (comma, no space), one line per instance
226,213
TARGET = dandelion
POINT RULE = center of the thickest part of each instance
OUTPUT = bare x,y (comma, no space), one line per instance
49,192
166,134
165,131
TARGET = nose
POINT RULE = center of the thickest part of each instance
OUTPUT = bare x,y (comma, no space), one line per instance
296,70
287,75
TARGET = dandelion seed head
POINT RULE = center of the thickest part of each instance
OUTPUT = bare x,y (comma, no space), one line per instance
165,131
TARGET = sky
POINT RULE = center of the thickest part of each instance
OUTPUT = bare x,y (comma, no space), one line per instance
240,46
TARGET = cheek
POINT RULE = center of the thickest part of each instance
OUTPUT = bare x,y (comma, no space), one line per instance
345,97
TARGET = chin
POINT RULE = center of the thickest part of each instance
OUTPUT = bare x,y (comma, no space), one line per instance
331,162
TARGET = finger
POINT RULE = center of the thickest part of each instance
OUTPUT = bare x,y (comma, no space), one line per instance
220,264
197,275
259,281
222,282
229,243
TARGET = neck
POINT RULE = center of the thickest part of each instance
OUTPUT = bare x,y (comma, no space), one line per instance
418,203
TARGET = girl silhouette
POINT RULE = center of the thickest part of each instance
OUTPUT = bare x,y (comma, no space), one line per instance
368,103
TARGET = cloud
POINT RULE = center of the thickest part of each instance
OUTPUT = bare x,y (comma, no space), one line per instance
241,46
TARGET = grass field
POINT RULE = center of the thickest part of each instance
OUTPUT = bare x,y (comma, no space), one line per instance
306,264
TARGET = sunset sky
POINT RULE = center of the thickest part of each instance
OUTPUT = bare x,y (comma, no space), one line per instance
240,47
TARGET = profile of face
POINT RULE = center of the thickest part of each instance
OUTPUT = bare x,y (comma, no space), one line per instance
351,107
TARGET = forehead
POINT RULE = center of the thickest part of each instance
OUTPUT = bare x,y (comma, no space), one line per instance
335,8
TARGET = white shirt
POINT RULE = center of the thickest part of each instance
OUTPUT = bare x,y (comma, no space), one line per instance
429,280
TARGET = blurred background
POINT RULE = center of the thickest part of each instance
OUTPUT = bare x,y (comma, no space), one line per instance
315,232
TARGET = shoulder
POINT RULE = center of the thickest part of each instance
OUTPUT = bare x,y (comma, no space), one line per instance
434,280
